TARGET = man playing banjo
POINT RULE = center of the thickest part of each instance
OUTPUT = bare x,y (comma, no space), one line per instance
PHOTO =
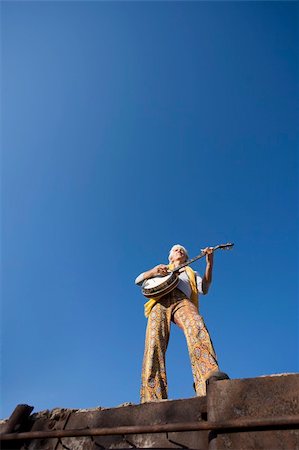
180,306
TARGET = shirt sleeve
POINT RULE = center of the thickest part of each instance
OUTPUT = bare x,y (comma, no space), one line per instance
139,279
199,283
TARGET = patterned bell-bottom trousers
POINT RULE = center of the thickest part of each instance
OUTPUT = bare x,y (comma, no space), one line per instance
174,307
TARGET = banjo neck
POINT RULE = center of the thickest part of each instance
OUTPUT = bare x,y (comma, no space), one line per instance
227,246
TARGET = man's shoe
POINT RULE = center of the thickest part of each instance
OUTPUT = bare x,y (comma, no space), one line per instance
216,376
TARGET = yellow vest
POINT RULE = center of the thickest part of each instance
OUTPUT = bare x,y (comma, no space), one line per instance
194,291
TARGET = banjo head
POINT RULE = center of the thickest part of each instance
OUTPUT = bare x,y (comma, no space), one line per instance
159,286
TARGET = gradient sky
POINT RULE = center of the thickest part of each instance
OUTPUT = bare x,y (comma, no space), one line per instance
128,127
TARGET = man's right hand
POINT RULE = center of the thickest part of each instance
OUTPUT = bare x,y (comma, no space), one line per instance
160,270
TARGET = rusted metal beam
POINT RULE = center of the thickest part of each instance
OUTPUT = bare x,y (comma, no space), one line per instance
18,416
290,422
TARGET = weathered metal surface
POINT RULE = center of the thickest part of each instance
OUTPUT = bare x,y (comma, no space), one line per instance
49,421
260,413
254,398
147,414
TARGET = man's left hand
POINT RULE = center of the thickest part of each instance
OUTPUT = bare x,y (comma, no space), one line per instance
209,254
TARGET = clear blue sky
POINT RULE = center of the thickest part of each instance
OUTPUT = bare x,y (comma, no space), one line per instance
128,127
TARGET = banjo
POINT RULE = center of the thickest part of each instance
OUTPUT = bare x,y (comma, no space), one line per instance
162,285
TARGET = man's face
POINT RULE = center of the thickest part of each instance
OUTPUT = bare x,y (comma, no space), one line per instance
178,255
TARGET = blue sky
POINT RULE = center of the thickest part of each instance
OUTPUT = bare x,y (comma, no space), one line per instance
128,127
